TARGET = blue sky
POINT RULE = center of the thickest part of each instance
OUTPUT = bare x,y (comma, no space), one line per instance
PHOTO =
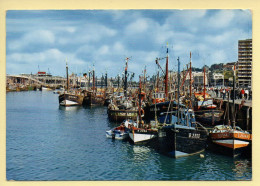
104,38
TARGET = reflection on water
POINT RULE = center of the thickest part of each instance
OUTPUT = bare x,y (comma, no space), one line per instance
73,108
140,153
242,168
48,142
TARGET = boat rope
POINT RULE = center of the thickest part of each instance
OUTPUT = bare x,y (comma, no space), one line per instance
167,112
197,123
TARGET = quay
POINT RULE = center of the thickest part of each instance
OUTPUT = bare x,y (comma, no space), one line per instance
242,112
242,102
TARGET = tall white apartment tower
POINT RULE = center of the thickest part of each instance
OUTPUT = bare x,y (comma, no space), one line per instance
244,73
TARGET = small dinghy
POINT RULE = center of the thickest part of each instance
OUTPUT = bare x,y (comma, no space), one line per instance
121,132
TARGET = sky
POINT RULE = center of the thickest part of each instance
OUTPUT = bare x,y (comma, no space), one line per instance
102,39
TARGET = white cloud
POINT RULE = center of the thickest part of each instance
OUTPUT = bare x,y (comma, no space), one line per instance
40,37
53,59
85,49
138,26
218,56
89,32
118,47
221,19
103,50
218,39
71,29
186,20
211,35
190,15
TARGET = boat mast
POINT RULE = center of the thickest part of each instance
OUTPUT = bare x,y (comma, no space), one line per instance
102,79
158,76
105,84
178,106
118,83
67,74
234,86
106,80
144,77
190,83
139,104
125,84
93,79
227,110
166,74
155,114
204,90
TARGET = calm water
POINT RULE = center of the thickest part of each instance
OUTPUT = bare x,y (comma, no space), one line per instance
48,142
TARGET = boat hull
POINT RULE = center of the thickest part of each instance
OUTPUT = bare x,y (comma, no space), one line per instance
209,117
107,101
92,100
121,115
119,135
229,143
142,136
70,100
179,142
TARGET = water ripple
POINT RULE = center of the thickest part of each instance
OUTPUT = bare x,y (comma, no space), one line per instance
48,142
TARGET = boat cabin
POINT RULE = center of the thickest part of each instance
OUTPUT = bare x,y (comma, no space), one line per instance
158,97
186,118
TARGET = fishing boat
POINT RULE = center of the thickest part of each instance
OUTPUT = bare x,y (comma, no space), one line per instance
143,133
93,98
121,114
180,134
121,132
160,108
205,111
227,139
159,99
122,106
183,136
108,98
70,97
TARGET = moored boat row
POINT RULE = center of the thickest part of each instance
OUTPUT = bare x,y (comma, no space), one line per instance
162,118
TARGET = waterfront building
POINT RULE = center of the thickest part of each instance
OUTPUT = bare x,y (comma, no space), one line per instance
244,72
197,79
217,79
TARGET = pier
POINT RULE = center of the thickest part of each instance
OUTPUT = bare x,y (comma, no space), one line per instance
242,112
34,80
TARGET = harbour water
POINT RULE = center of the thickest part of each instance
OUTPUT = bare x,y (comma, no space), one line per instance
47,142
